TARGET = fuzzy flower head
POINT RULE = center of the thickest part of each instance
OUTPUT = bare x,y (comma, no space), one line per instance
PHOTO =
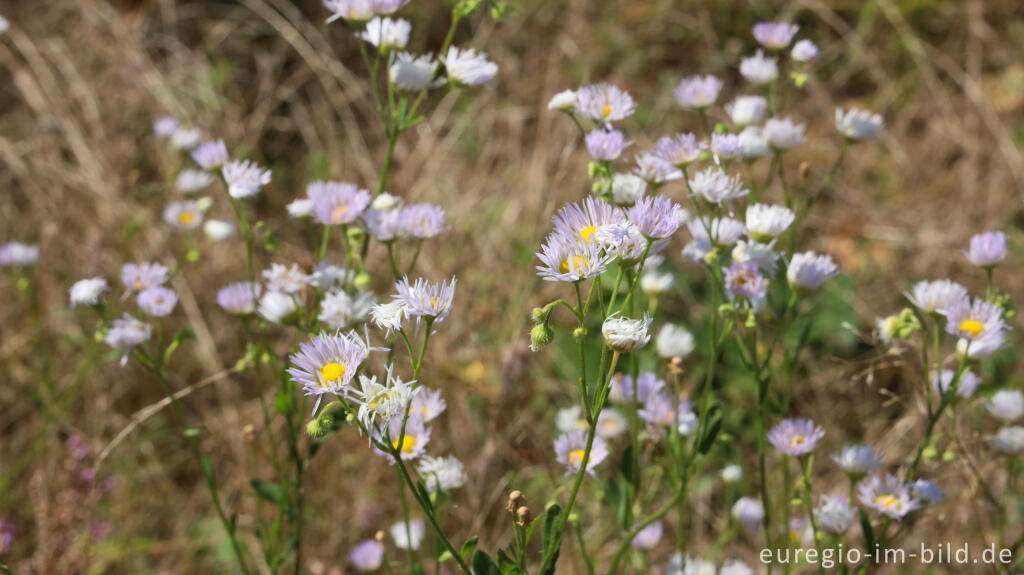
759,69
835,515
190,181
887,495
366,556
783,134
796,436
604,103
388,316
674,341
127,333
1006,404
428,404
278,307
564,101
763,256
935,297
570,449
754,143
767,222
424,299
421,221
18,255
697,92
774,35
442,473
804,51
726,146
157,301
606,145
680,150
468,67
857,125
244,178
627,189
184,215
808,270
987,249
137,277
581,220
211,155
339,310
387,34
976,321
744,279
656,217
289,280
647,385
653,169
410,73
384,402
565,258
623,334
239,298
88,292
185,138
857,460
662,410
749,512
408,535
965,387
746,110
1008,440
327,362
340,203
716,187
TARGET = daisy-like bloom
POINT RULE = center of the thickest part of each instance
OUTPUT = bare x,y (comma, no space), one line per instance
184,215
383,225
623,334
185,138
564,101
570,448
137,277
387,7
735,567
383,403
327,362
767,222
715,186
796,436
774,35
218,230
804,51
165,127
366,556
745,280
625,242
190,181
388,316
468,67
412,73
627,189
340,310
726,146
746,110
979,322
965,388
1009,440
754,143
428,404
127,333
285,279
857,125
759,69
277,307
339,203
648,537
935,297
647,384
697,92
211,155
1006,404
655,282
927,491
887,495
421,221
610,424
300,208
656,217
663,410
606,145
725,231
408,535
88,292
424,299
244,178
328,276
763,256
570,419
655,170
987,249
808,270
157,301
604,103
239,298
17,254
442,473
834,514
387,34
354,11
857,460
567,258
413,444
731,473
749,512
680,150
783,134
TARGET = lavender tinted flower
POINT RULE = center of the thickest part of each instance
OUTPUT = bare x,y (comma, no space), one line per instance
604,103
239,298
211,155
936,296
662,410
796,436
656,217
888,496
18,255
783,134
421,221
726,146
927,491
746,110
157,301
428,404
424,299
647,384
570,450
808,270
354,11
88,292
857,460
468,67
366,556
987,249
185,215
339,203
759,69
244,178
774,35
974,320
654,170
327,362
566,258
680,150
804,51
745,280
648,537
857,125
606,145
696,92
1006,404
965,387
137,277
165,127
749,512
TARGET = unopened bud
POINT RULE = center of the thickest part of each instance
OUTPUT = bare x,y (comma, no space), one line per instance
362,281
319,427
538,315
515,500
248,433
540,336
523,516
579,332
379,536
676,366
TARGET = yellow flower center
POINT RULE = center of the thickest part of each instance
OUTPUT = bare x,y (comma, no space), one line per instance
408,443
579,262
793,536
576,457
886,501
606,111
332,372
586,232
339,212
796,441
186,218
972,326
391,394
138,284
433,302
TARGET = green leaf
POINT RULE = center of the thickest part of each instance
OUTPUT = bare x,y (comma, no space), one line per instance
469,546
551,539
869,533
484,565
711,429
507,565
267,490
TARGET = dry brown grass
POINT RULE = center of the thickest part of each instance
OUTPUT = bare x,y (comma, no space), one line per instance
83,79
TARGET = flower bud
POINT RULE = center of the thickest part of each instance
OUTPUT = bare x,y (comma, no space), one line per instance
515,500
362,281
248,433
538,315
579,332
523,516
540,336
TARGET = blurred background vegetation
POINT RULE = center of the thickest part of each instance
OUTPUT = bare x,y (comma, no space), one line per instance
82,81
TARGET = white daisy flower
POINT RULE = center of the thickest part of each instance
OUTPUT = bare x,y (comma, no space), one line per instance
783,134
623,334
340,310
674,341
857,125
442,473
190,181
412,73
244,178
767,222
386,34
809,270
88,291
759,69
563,101
218,230
468,67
